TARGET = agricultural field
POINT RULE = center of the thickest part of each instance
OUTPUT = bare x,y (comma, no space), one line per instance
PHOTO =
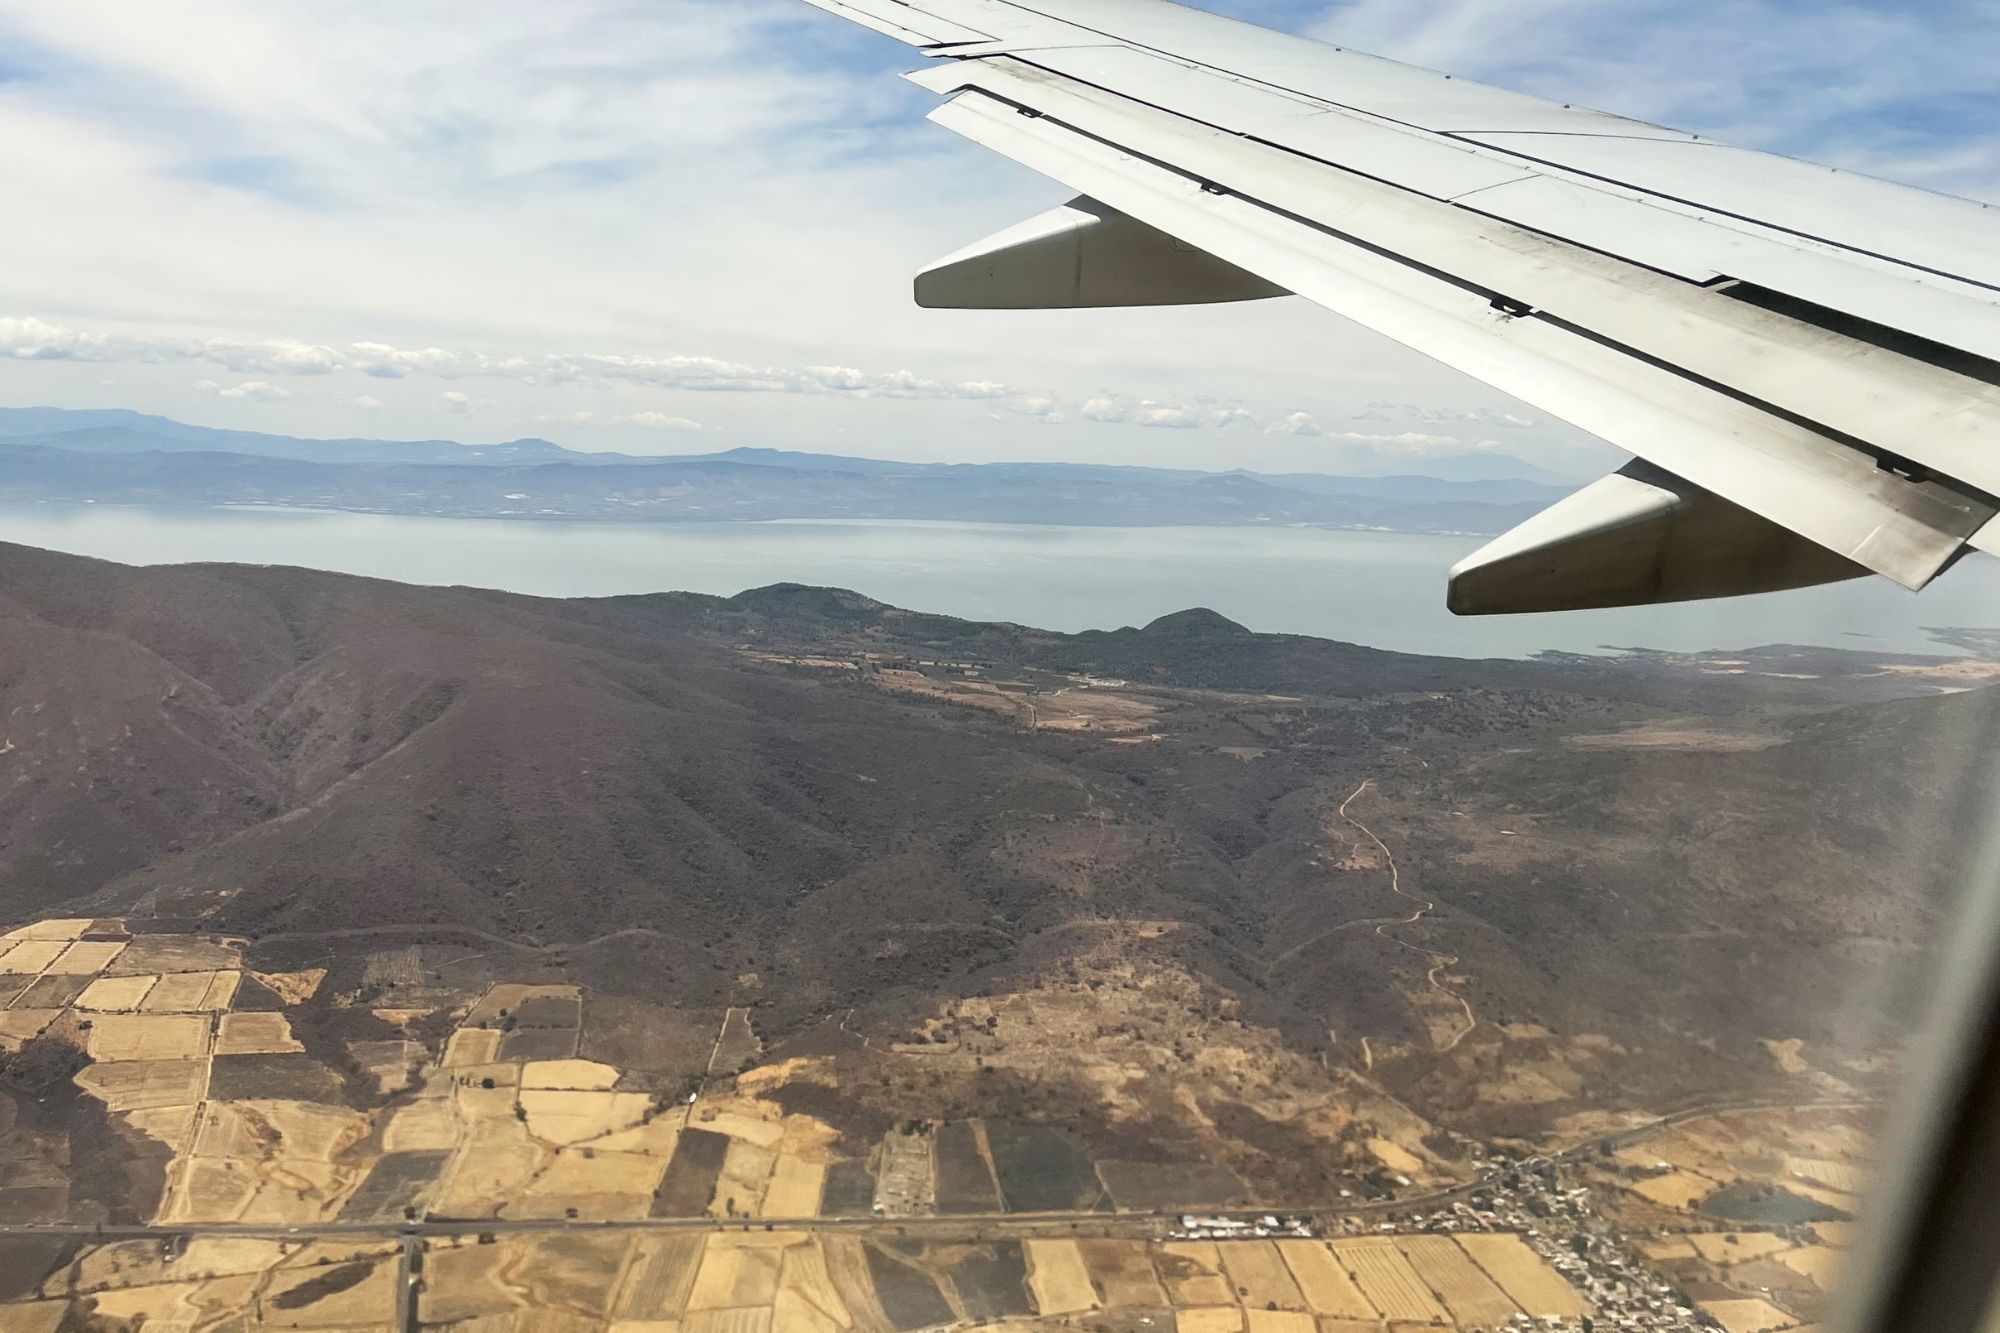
801,1279
1748,1213
212,1283
1754,1168
295,1100
241,1096
780,1279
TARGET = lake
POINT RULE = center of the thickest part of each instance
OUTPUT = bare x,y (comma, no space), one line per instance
1382,589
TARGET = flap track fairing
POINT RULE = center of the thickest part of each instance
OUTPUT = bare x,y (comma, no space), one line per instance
1639,536
1084,255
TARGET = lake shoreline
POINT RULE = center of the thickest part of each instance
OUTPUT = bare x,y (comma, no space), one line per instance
1379,589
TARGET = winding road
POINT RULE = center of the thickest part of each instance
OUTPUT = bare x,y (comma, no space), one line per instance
1440,962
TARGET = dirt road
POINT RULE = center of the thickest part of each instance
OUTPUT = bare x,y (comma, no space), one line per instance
1440,962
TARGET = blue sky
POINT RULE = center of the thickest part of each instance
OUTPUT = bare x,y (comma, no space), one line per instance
674,227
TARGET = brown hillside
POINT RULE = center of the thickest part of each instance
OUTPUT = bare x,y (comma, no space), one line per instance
807,801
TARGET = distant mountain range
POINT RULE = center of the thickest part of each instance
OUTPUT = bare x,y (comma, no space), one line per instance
53,455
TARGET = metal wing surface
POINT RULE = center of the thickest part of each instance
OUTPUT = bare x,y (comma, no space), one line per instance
1805,360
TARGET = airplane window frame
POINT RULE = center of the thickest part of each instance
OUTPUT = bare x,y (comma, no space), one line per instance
1930,1257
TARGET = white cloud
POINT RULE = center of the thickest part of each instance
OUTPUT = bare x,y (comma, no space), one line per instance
255,390
657,421
33,337
1412,442
298,358
1305,426
708,374
1045,408
1443,416
368,402
385,362
1120,410
30,339
1204,414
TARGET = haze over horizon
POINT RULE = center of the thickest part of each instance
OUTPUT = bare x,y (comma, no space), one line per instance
131,431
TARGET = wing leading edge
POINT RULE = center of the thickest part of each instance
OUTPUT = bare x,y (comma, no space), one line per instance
1807,360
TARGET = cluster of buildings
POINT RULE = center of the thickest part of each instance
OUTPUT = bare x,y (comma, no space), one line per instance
1561,1224
1193,1226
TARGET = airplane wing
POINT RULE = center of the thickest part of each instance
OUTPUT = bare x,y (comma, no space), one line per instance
1805,361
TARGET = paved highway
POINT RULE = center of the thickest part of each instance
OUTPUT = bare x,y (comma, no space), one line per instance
954,1226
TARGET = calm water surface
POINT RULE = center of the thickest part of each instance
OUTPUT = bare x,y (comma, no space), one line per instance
1382,589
